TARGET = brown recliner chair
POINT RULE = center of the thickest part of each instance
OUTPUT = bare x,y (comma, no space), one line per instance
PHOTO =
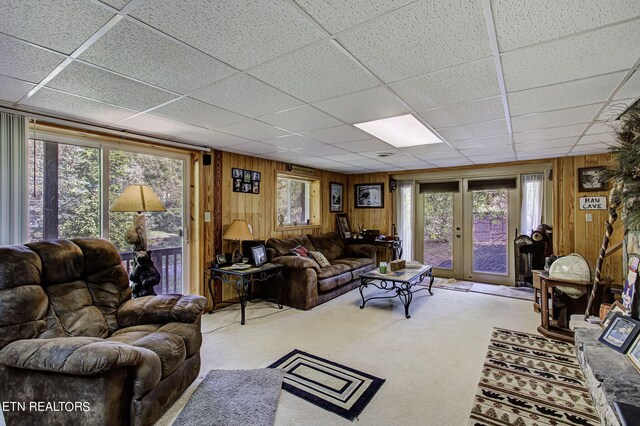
76,349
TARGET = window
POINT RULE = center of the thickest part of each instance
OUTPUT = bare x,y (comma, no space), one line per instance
297,201
72,183
532,198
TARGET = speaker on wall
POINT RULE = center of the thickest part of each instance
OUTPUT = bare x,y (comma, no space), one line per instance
206,159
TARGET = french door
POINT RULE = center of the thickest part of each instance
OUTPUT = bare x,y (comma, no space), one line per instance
466,227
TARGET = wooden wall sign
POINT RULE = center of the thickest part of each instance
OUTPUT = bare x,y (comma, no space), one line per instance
593,203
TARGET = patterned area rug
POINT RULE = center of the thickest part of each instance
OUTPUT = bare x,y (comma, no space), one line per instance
334,387
530,380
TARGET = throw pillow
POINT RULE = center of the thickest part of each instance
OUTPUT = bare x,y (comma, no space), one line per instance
299,251
319,257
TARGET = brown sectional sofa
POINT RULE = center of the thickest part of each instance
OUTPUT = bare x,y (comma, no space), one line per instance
71,334
306,283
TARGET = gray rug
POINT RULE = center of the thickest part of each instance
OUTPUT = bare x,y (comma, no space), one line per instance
234,398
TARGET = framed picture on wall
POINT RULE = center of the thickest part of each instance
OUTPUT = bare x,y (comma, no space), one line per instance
343,226
590,180
336,195
370,195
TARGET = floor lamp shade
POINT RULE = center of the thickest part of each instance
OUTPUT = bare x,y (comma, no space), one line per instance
138,198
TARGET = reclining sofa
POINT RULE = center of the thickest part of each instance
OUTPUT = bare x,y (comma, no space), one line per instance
76,349
307,284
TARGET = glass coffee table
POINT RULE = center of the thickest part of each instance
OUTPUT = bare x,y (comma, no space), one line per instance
403,283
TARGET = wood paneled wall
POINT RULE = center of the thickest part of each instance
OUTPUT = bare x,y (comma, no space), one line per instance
571,232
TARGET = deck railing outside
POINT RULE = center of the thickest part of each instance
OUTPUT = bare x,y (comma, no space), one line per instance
168,261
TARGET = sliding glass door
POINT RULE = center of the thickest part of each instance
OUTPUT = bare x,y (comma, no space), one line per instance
72,186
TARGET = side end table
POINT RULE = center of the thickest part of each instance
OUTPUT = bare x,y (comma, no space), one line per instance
242,281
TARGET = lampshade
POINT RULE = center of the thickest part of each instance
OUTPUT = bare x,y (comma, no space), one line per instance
238,230
138,198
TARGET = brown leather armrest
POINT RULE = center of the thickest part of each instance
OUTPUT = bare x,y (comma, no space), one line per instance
161,309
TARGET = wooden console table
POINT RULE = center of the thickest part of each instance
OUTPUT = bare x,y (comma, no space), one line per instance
550,327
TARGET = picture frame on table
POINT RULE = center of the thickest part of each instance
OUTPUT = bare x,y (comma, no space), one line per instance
634,353
343,225
259,254
616,309
369,196
221,259
620,333
336,197
589,179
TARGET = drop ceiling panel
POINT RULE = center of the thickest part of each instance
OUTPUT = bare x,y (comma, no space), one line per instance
614,109
368,105
366,145
338,16
489,159
253,129
374,154
242,33
145,55
474,130
465,112
338,134
423,37
607,50
521,24
291,141
61,25
631,88
365,162
421,149
245,95
543,153
462,83
156,126
300,119
13,90
347,158
197,113
94,83
564,95
74,106
212,138
288,156
606,138
25,62
256,148
590,149
451,163
431,156
118,4
555,143
583,114
322,150
482,142
319,71
600,127
551,133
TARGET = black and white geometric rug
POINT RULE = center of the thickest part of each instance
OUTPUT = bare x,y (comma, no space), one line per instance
528,380
334,387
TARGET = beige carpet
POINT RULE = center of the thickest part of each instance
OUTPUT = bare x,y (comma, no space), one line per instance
431,362
523,293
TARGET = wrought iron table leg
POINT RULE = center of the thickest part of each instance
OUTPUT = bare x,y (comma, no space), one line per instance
243,289
212,293
406,296
430,282
363,285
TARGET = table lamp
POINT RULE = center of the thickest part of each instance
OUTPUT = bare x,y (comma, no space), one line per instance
139,199
238,231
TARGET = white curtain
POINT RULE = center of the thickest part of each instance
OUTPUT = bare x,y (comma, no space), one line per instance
13,182
405,218
532,186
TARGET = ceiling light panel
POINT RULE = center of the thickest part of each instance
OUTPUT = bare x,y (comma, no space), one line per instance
197,113
245,95
466,82
401,131
565,95
320,71
420,38
368,105
583,114
554,19
136,51
24,61
242,33
48,23
585,55
474,130
94,83
465,112
300,119
68,105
